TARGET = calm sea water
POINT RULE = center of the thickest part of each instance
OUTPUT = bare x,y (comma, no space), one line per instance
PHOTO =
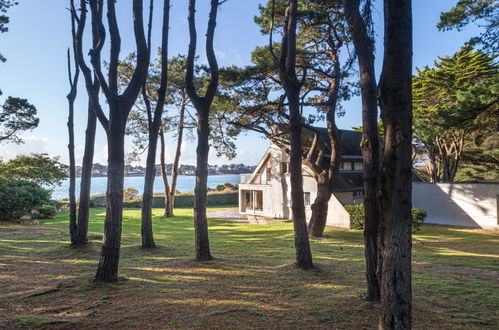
184,184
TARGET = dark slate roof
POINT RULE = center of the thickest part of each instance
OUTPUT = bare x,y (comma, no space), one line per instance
349,181
350,141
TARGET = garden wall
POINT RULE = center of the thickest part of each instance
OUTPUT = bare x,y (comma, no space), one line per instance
458,204
214,199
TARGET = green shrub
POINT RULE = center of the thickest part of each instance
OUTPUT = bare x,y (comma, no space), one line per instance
130,194
357,217
181,201
19,197
45,212
226,185
418,218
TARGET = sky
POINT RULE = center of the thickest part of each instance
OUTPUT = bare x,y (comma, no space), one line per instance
39,35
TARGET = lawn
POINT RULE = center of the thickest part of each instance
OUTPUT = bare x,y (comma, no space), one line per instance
251,283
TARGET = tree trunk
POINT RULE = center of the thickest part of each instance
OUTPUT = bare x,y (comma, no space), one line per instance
302,244
86,179
173,189
319,209
107,270
72,168
164,174
146,225
364,46
395,92
201,189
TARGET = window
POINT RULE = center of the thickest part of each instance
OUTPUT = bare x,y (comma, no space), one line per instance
258,200
352,166
342,166
284,168
307,198
249,200
268,174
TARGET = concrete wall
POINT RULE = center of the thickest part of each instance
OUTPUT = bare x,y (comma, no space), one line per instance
458,204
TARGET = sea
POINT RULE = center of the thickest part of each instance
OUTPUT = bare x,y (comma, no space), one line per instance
184,184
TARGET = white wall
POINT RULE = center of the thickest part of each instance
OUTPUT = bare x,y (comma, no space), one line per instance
458,204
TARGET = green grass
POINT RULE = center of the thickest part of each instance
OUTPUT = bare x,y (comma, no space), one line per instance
250,283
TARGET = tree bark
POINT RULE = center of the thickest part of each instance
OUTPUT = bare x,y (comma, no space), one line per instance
164,174
395,93
86,179
289,80
202,105
178,151
201,188
364,46
154,128
72,164
302,245
73,82
319,208
107,271
147,196
119,109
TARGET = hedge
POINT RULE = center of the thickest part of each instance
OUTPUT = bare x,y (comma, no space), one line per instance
217,199
357,217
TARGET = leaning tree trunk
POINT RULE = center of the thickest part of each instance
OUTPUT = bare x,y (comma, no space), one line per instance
395,93
86,179
319,208
200,191
107,270
326,181
173,189
302,244
146,225
364,46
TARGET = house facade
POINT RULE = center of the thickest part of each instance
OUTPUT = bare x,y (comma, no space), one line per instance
267,191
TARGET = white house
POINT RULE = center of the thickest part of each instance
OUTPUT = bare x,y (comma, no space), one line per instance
267,191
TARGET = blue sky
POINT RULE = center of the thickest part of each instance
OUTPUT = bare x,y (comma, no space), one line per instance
38,37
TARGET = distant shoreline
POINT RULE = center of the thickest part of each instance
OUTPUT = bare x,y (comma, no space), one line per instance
141,175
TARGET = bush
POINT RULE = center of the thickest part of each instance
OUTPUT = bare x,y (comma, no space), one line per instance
45,212
357,217
130,194
19,197
226,185
158,201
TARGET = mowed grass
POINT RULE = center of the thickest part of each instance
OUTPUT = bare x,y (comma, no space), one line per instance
251,283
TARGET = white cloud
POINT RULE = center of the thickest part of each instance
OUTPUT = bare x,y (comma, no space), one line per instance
31,144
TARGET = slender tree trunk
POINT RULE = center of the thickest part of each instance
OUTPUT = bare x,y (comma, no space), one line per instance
200,191
107,270
73,82
364,47
86,179
146,225
164,174
319,208
72,168
173,190
154,125
395,92
302,244
202,105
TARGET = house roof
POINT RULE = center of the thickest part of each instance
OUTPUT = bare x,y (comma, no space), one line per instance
350,141
348,181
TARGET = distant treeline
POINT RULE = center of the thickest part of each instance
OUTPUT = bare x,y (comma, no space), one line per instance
99,170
